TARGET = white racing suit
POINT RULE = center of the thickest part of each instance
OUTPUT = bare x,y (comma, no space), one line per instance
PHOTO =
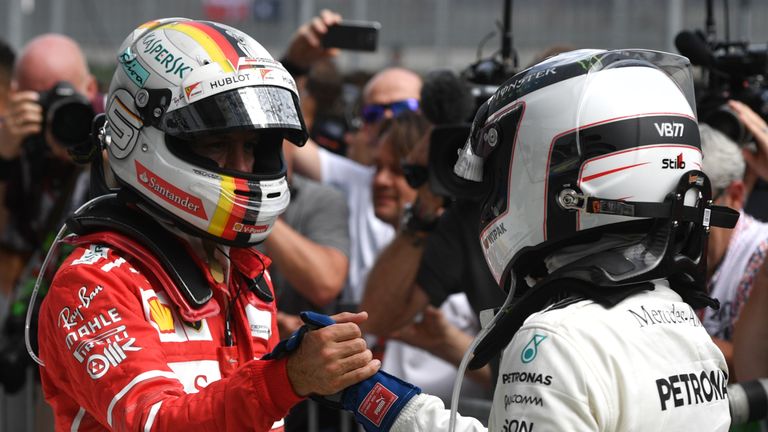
646,364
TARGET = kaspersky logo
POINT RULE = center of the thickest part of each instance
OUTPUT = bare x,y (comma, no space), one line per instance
170,193
161,315
531,348
676,163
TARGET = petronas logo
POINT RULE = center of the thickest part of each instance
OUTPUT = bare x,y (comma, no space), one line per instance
531,348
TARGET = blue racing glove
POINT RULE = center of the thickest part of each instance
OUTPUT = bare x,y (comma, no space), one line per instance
312,321
376,402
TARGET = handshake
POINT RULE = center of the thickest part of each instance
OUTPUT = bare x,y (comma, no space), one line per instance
375,402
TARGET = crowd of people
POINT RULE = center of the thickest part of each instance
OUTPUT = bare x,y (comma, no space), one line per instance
223,203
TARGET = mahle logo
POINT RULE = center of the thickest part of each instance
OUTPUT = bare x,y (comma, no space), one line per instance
531,348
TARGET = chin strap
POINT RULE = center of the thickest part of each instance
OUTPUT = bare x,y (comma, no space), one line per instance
715,215
706,214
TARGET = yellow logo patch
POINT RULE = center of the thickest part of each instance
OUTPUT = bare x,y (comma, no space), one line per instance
161,315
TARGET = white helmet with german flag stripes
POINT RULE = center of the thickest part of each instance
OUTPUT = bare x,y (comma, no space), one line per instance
180,80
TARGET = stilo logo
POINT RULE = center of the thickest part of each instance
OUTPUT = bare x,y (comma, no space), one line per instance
677,163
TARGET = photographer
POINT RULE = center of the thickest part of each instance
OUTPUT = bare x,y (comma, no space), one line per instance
734,256
7,59
42,182
750,338
45,61
389,93
427,352
444,249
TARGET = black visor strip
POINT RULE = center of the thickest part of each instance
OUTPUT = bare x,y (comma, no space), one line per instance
719,216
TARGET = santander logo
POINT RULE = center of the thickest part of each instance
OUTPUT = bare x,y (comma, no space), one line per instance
170,193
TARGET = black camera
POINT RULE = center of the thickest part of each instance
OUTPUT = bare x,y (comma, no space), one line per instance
484,77
450,103
67,114
732,70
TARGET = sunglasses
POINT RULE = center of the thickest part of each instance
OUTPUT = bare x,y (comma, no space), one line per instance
372,113
415,175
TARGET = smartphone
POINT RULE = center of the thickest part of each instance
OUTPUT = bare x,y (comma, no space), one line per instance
353,35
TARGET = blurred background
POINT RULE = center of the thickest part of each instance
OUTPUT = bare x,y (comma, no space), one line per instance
421,34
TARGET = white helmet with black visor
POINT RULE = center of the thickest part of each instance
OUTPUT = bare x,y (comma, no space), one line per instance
592,169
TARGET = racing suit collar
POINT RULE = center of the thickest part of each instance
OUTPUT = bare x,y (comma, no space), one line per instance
206,252
247,261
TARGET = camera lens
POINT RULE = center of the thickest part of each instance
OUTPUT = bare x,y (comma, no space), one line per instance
70,122
68,114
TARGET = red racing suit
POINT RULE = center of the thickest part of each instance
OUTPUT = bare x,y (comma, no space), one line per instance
119,356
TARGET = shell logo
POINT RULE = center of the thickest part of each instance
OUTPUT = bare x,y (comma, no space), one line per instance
161,315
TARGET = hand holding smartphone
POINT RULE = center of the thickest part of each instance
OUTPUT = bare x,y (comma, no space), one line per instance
353,35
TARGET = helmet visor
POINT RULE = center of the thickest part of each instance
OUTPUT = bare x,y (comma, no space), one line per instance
245,108
676,67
